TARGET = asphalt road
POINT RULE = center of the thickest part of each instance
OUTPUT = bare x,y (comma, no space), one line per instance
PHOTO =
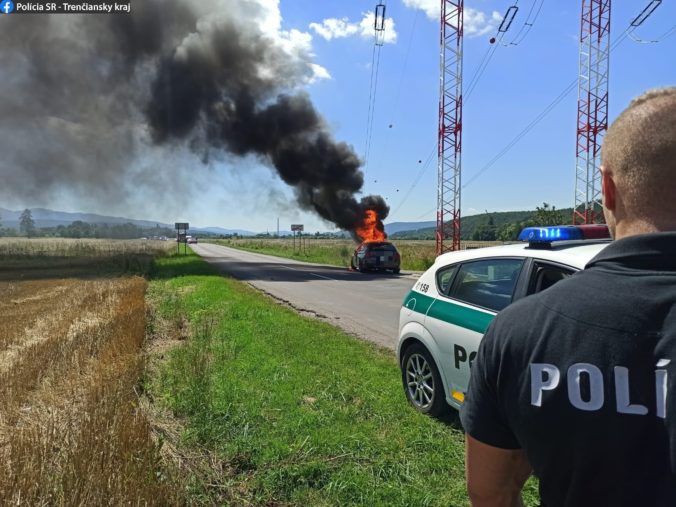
366,305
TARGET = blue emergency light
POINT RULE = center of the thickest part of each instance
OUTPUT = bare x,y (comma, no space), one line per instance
543,235
549,234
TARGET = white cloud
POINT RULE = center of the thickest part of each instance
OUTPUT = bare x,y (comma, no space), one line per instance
477,22
319,72
431,7
367,28
336,28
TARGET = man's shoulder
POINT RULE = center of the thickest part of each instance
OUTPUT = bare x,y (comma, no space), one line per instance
522,317
562,294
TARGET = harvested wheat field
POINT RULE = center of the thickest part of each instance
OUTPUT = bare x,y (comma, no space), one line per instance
73,323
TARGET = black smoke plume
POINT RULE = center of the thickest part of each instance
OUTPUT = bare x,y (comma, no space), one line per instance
101,92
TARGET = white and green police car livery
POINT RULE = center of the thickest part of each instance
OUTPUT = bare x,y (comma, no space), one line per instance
448,310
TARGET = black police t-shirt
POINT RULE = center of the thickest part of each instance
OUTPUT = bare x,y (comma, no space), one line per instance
582,377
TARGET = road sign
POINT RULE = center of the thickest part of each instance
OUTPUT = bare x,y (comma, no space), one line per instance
181,236
297,227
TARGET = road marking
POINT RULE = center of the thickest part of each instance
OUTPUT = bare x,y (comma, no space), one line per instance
325,277
313,274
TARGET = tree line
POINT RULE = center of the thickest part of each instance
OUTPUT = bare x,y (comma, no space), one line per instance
543,216
80,229
498,226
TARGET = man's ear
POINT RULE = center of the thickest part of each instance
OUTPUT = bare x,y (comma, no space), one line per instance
608,188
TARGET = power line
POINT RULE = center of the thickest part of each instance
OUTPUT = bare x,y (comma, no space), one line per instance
505,25
379,40
417,180
570,87
408,51
640,19
668,33
426,213
375,64
497,41
488,55
528,24
528,128
502,29
395,104
564,93
665,35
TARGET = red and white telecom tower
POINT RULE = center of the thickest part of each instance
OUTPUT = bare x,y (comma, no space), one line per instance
450,127
592,109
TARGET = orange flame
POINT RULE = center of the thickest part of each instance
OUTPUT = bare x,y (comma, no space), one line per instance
371,228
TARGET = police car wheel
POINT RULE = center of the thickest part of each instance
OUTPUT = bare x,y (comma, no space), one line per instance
422,382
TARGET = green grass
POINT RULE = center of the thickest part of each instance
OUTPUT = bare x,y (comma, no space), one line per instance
323,251
291,410
415,255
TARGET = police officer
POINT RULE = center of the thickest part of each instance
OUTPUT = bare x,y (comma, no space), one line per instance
577,384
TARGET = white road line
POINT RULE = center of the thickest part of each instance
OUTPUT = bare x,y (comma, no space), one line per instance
313,274
324,277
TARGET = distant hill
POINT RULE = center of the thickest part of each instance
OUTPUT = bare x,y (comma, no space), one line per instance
224,232
396,227
49,218
469,224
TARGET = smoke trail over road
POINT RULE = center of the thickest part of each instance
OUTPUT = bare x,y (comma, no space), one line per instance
91,99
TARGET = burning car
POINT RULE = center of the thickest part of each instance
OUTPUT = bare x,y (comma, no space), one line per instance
374,251
376,255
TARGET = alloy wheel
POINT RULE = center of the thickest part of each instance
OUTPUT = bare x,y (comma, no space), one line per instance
419,381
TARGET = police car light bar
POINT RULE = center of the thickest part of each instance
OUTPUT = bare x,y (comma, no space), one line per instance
595,231
541,235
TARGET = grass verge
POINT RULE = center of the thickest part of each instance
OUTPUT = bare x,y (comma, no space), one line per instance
415,255
278,409
326,251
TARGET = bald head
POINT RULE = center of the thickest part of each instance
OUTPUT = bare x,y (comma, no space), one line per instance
639,151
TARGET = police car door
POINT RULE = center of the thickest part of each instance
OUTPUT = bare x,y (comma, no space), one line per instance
459,316
543,274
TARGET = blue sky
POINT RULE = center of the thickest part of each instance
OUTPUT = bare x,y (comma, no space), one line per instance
518,84
520,81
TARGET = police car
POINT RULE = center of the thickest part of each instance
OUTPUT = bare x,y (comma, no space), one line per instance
446,313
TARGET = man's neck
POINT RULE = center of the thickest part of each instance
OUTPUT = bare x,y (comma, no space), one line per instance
625,228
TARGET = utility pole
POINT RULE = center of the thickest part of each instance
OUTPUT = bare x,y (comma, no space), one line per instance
450,127
592,109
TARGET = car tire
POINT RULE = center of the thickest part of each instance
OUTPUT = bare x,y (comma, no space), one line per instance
362,268
422,382
396,271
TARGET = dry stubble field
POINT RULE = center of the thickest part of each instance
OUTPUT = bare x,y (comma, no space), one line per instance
73,323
